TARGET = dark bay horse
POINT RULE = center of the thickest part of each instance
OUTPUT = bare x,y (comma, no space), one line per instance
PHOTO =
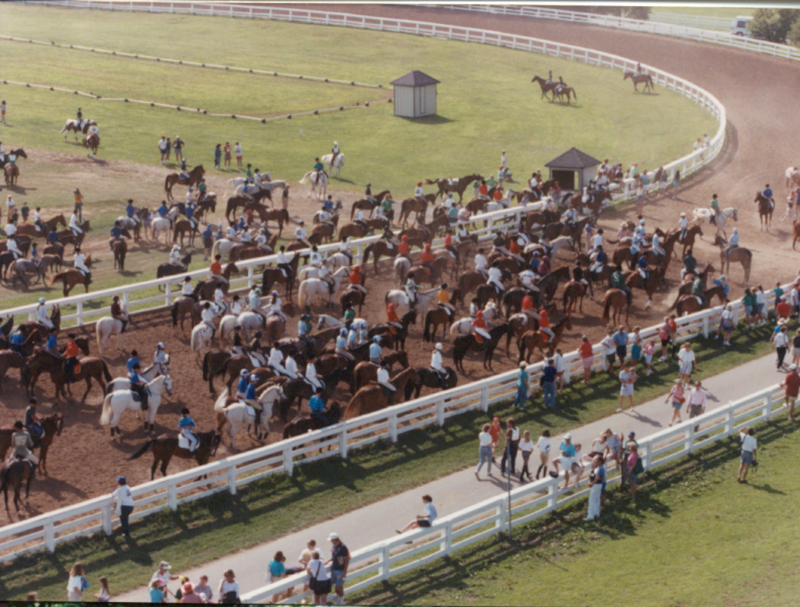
175,178
465,343
14,474
638,79
52,425
371,398
168,269
737,255
458,186
305,423
90,368
765,210
532,340
165,447
547,87
429,378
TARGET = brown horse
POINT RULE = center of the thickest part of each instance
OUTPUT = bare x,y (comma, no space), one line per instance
686,285
546,86
464,343
688,241
531,340
326,232
688,304
120,248
272,276
12,174
70,279
377,250
165,447
365,371
635,281
765,210
574,293
181,229
90,368
55,319
274,329
305,423
618,299
433,275
458,185
371,398
638,79
737,255
206,288
52,425
175,178
14,474
247,202
29,229
12,360
281,216
415,206
469,281
91,142
368,204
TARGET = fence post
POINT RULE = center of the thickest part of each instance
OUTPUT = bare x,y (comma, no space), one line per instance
106,518
440,412
567,371
79,310
704,330
288,463
386,561
393,428
485,399
500,516
172,497
50,536
359,253
231,473
552,493
250,268
729,426
343,443
448,538
690,438
167,293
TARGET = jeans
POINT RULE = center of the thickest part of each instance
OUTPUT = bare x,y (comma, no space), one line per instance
549,389
522,396
125,512
510,455
781,351
485,454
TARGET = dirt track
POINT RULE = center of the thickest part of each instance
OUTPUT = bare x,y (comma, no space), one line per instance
757,92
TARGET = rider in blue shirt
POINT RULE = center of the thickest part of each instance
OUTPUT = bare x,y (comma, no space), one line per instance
341,339
137,383
52,237
186,427
317,409
163,211
17,339
375,351
244,381
133,360
116,231
52,341
130,209
767,193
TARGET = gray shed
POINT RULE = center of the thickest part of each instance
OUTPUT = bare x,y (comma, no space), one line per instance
415,95
573,169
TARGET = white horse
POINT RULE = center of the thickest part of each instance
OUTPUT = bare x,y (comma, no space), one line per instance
336,167
316,286
159,225
338,260
401,268
556,245
105,328
311,176
238,413
201,338
792,177
402,305
116,403
222,247
237,181
704,216
308,272
121,384
464,325
254,188
72,125
127,223
503,203
326,321
249,321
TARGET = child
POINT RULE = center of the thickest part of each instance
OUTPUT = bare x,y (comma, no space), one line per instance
104,595
636,347
648,350
789,205
495,430
676,395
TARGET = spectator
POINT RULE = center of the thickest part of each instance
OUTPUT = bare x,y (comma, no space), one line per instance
761,305
602,474
340,560
782,309
627,378
162,573
228,588
305,557
485,450
614,443
676,396
168,151
749,448
587,358
422,520
543,444
78,208
621,342
189,594
686,358
3,111
726,325
318,579
77,583
697,402
796,348
635,467
495,430
609,350
285,197
227,151
512,445
596,489
526,447
218,156
549,384
636,347
276,571
522,387
123,501
177,145
158,591
163,146
577,467
568,451
780,341
792,385
204,590
237,150
750,302
648,349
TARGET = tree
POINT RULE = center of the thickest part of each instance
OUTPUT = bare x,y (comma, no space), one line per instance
794,33
773,24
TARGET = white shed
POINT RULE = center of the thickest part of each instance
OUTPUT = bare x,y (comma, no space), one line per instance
415,95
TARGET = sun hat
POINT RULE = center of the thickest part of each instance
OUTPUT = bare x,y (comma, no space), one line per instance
333,536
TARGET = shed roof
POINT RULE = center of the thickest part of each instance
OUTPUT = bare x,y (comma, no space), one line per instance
573,158
415,78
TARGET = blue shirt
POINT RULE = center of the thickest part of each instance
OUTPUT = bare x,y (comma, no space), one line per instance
725,287
52,237
186,422
156,595
134,377
522,378
207,233
116,232
52,342
768,193
620,338
17,338
276,568
130,209
375,350
163,211
341,342
549,374
600,473
601,257
132,361
242,385
316,404
251,392
352,339
569,450
302,328
189,212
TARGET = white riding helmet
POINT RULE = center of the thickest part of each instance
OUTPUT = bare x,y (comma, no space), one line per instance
439,346
683,214
735,230
244,373
335,143
176,247
42,300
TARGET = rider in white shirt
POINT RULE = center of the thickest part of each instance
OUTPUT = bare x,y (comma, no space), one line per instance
276,361
236,306
219,300
41,314
301,235
496,279
655,244
283,261
261,241
186,288
11,246
315,258
527,277
733,242
597,239
79,263
383,381
344,249
245,236
275,306
683,226
175,256
436,362
291,367
230,233
207,316
73,225
419,192
312,377
481,263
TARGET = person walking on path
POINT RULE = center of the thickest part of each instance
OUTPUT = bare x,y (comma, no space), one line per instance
522,387
237,151
422,520
697,402
791,384
495,430
686,360
510,452
621,342
549,384
123,501
163,574
340,560
526,447
676,396
77,583
485,450
544,445
780,341
627,378
748,456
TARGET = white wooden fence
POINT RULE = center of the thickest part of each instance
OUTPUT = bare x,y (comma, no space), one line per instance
389,558
706,22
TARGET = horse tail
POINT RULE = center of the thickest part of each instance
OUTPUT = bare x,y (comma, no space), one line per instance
215,248
142,450
426,335
219,406
606,308
454,331
166,183
674,303
105,418
106,374
174,312
304,179
431,182
56,277
206,366
365,258
575,94
301,295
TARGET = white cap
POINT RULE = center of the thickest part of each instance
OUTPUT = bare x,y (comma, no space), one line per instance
333,536
439,346
683,214
567,437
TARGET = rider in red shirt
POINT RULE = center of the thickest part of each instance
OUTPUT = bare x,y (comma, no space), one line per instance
355,279
544,324
479,324
404,249
392,320
426,257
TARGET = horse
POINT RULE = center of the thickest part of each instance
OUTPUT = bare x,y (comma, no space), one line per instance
371,398
649,285
453,185
235,413
75,126
11,172
366,371
792,177
638,79
281,216
547,87
29,229
673,236
13,360
398,337
90,368
618,299
353,297
169,269
122,384
116,403
416,206
688,304
433,319
55,320
377,250
430,378
52,426
174,178
316,286
105,328
368,204
531,340
20,267
402,303
704,216
765,210
91,142
120,248
305,423
432,273
14,474
167,446
201,338
70,278
271,276
465,343
686,286
234,202
563,90
738,254
574,293
313,177
335,166
300,389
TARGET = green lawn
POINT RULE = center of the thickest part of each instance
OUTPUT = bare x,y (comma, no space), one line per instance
693,537
267,509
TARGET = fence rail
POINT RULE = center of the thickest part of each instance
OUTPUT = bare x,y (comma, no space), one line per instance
383,560
48,530
707,22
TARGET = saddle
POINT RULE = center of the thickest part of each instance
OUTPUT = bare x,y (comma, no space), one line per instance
453,181
136,397
254,360
543,336
183,442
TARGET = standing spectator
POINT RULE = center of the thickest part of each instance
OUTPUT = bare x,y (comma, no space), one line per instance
168,151
609,350
512,445
549,384
792,385
526,447
189,594
614,443
204,590
697,402
218,156
686,358
485,450
318,579
104,595
761,305
163,574
635,467
123,501
237,150
24,211
522,387
543,445
636,347
3,111
639,195
782,309
227,151
163,147
77,583
587,358
726,325
596,485
276,571
750,302
780,342
177,145
778,292
621,342
648,350
677,398
422,520
796,348
561,366
749,448
627,377
495,430
340,560
676,184
228,588
158,590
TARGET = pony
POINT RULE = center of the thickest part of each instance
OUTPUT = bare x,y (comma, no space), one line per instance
335,166
120,248
90,368
235,413
21,267
169,269
371,398
765,210
52,426
739,255
305,423
416,206
167,446
70,279
531,340
29,229
116,403
547,87
430,378
402,304
201,338
638,79
313,177
14,474
315,286
618,300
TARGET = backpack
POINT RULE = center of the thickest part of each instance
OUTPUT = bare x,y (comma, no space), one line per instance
638,468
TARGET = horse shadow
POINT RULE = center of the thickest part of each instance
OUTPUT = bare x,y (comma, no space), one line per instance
340,180
129,273
430,120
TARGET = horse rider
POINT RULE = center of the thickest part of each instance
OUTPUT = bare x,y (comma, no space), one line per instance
79,263
301,235
161,359
689,264
93,130
379,214
714,209
404,249
527,307
655,245
356,279
207,316
344,249
341,346
241,386
733,243
349,315
496,279
389,239
561,84
219,301
189,210
235,308
549,76
283,262
32,421
683,226
35,253
637,241
251,398
462,234
526,277
311,376
80,119
427,259
618,282
116,234
324,217
767,193
315,258
544,324
138,384
175,256
186,427
326,277
187,290
71,353
387,387
118,312
549,209
419,193
237,347
184,174
577,276
230,232
292,371
22,444
602,182
359,220
436,365
481,263
443,299
13,247
37,221
483,190
641,267
638,68
335,151
16,341
74,227
479,327
570,217
262,239
304,334
245,236
698,290
275,361
392,320
41,314
255,350
275,307
216,270
52,344
320,169
411,288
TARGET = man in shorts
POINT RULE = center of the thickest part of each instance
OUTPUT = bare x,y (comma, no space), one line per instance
792,385
609,350
340,560
422,520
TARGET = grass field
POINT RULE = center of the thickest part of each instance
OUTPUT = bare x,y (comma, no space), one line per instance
708,11
268,509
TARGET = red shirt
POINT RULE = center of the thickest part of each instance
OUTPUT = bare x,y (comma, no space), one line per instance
426,256
403,248
527,303
498,195
391,316
216,267
544,320
783,310
479,323
792,385
514,247
585,349
483,189
71,350
355,278
448,240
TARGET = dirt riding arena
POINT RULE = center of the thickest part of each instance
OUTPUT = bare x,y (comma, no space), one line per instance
761,144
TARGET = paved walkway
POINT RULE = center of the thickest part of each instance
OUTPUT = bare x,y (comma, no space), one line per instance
379,520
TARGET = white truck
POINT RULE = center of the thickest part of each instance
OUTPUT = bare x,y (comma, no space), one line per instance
740,26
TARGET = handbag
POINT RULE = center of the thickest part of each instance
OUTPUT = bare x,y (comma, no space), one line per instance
231,598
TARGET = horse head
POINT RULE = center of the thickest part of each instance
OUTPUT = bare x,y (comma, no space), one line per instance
168,384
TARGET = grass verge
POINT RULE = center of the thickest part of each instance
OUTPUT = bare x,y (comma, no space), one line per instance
212,528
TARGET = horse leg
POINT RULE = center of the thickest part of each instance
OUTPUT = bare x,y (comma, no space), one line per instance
88,388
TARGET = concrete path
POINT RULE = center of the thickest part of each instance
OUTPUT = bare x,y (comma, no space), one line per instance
379,520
